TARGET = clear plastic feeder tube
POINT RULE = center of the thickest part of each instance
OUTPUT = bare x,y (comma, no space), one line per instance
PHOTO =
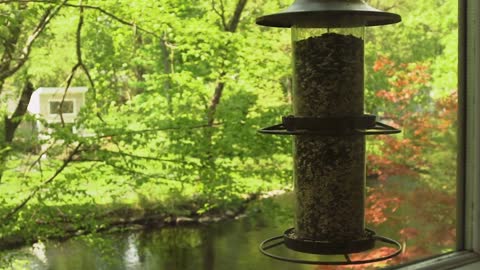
329,171
328,71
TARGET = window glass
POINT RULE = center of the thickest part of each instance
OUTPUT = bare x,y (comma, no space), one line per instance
172,164
412,84
57,107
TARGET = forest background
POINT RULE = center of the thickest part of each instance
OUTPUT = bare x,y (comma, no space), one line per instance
177,92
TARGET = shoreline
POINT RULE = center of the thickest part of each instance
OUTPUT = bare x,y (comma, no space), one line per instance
134,219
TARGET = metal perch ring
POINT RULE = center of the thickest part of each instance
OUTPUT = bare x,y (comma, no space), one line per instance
272,242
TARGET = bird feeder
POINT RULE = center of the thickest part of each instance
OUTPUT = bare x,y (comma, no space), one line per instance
329,128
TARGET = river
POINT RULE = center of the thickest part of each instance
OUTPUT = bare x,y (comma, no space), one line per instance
225,245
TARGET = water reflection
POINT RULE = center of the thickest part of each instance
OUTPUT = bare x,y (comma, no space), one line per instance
131,258
39,251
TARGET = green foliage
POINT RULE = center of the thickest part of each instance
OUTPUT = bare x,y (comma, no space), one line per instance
420,38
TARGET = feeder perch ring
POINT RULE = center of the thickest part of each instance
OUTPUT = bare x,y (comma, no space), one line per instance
378,129
280,240
365,124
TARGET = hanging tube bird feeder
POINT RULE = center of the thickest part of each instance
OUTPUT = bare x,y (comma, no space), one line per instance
329,128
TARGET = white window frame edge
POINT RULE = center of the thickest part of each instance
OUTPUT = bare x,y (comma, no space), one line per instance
468,185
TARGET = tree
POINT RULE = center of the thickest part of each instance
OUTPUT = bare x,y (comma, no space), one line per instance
19,34
173,108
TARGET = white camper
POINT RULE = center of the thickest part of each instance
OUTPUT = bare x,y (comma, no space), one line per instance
45,103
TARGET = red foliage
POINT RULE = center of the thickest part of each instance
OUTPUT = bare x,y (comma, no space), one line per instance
425,126
404,109
409,232
441,204
430,223
381,63
376,253
444,109
378,205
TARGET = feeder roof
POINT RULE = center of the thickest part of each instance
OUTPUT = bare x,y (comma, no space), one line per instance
329,13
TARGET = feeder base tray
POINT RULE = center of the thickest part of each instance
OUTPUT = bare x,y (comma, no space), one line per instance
364,243
329,248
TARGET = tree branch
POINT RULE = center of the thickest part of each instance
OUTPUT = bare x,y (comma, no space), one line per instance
69,82
217,95
220,13
133,132
46,18
113,16
10,45
147,157
208,163
32,194
38,159
97,8
78,50
155,177
167,69
78,35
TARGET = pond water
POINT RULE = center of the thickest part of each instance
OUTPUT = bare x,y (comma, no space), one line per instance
231,244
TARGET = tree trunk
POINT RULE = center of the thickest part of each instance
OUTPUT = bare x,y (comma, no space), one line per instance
12,123
167,69
139,69
208,174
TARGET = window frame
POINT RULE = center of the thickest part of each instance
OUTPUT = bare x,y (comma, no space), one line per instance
60,101
467,255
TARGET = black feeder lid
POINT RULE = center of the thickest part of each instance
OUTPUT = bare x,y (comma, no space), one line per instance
329,14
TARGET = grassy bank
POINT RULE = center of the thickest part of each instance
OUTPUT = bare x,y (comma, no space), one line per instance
91,197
